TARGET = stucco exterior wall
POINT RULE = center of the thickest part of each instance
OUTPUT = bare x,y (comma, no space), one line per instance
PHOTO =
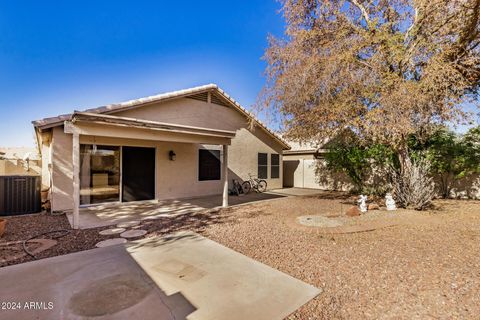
18,167
243,152
304,171
179,178
190,112
243,156
62,170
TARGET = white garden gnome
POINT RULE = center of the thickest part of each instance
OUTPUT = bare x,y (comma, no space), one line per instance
363,203
390,203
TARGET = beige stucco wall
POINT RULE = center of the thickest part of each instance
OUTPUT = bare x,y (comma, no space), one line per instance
18,167
304,171
62,170
243,156
191,112
243,152
174,179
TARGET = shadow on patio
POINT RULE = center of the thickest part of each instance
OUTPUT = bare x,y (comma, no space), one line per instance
110,214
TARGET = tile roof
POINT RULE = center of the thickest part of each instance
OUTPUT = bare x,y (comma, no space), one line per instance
111,108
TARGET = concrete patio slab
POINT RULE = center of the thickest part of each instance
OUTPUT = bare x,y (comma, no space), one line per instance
181,276
121,214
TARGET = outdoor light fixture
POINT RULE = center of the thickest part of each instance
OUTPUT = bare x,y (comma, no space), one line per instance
172,155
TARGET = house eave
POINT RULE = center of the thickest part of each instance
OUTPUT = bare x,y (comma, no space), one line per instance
136,103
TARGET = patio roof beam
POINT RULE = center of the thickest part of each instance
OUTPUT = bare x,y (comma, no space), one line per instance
88,128
141,123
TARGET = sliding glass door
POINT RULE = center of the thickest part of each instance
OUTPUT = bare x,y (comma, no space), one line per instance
99,174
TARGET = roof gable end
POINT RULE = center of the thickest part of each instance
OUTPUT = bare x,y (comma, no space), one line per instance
218,96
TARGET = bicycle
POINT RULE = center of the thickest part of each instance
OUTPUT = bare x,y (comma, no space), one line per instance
254,183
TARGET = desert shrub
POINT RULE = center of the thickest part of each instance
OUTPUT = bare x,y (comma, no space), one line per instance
452,157
366,165
412,183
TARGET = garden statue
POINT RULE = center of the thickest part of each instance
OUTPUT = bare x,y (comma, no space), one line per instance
390,203
363,205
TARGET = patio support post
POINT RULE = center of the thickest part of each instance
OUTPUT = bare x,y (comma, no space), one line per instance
225,176
76,178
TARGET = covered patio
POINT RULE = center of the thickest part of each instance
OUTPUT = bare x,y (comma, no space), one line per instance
86,127
111,214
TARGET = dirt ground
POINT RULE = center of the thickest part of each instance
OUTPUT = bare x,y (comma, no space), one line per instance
412,265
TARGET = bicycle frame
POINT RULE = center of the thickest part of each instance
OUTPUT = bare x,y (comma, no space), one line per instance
253,181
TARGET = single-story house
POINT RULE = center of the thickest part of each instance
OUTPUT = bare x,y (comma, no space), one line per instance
181,144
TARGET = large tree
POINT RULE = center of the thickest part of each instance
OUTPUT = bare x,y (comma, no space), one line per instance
385,69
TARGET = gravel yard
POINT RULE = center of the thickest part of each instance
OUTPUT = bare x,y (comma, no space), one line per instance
23,227
426,266
412,265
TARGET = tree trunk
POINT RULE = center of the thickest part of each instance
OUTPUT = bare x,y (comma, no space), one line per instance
404,158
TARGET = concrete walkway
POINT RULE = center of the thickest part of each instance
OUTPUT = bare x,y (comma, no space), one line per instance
183,276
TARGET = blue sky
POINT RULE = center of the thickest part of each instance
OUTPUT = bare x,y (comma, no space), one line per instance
57,56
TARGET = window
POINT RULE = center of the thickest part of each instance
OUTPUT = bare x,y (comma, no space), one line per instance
262,166
99,174
274,166
208,165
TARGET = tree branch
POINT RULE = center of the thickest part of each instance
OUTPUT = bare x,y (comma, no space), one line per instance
363,10
414,23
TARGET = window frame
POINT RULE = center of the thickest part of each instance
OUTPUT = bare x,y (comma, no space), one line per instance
216,153
265,166
277,166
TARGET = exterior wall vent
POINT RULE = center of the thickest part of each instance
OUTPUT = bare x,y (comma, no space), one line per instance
200,96
219,100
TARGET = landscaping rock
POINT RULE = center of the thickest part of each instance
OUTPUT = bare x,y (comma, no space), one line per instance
110,242
373,206
353,212
133,234
109,232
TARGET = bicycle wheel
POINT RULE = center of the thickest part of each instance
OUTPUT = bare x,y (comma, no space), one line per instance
246,186
262,186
